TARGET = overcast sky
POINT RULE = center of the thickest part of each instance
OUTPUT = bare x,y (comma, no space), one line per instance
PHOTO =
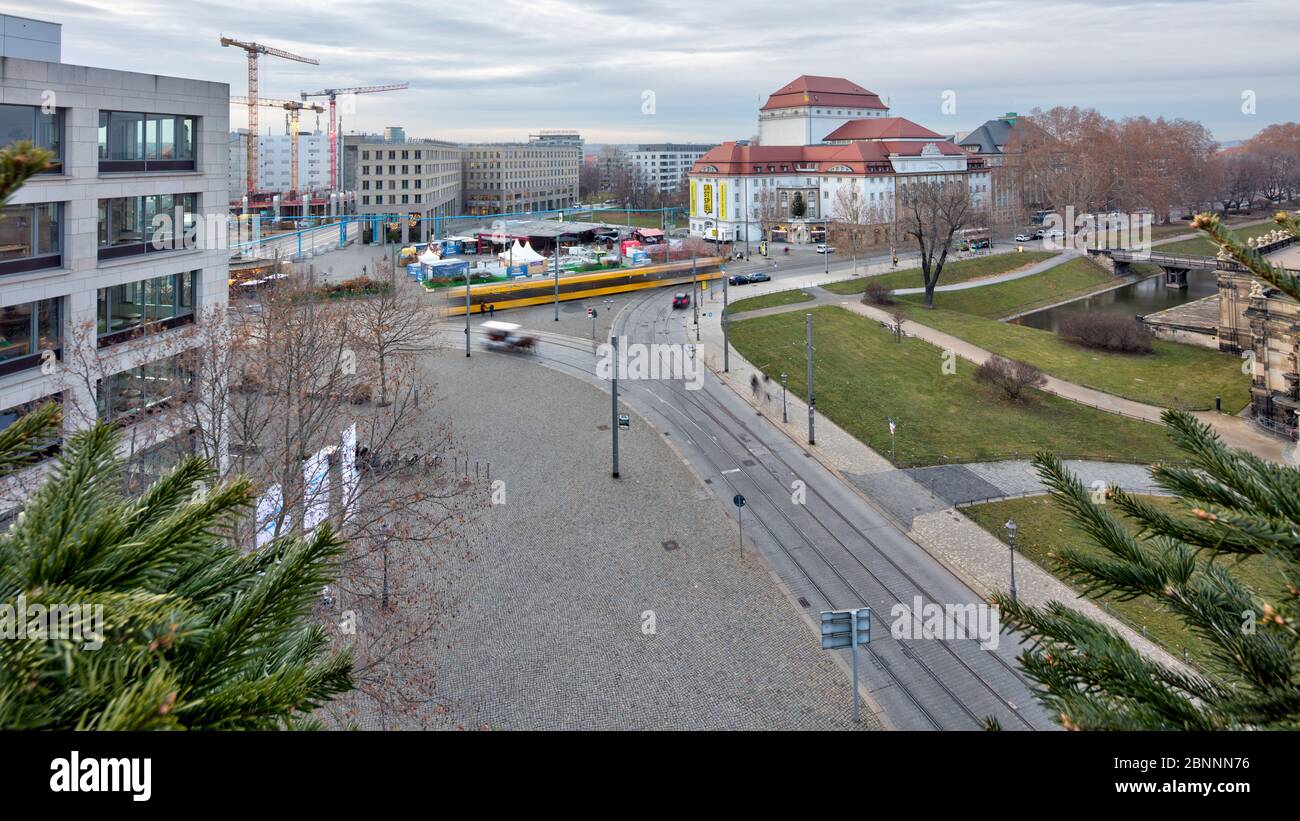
499,69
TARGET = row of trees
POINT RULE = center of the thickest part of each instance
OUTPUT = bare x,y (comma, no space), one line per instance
1070,156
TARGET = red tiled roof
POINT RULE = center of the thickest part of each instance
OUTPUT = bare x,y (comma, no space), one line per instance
828,91
881,128
733,158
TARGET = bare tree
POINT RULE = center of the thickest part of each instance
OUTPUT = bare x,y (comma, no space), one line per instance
1011,376
932,211
282,389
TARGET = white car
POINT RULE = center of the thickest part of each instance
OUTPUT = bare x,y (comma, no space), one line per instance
1024,236
825,249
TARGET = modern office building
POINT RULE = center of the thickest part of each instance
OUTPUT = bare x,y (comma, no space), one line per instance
413,177
274,162
518,178
97,300
663,166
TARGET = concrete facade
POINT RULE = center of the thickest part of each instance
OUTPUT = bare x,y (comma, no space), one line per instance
414,177
518,178
82,192
664,166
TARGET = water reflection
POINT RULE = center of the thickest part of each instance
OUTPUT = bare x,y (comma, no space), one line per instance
1139,298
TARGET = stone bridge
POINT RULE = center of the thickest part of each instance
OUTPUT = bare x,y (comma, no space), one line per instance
1176,267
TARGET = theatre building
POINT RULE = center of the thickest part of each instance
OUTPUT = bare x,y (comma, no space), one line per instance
828,151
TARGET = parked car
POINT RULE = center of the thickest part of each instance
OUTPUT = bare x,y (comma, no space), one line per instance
825,249
1025,236
681,300
739,279
759,276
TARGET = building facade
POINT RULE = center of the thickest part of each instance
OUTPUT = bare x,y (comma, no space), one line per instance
519,178
98,289
663,166
419,178
850,169
274,158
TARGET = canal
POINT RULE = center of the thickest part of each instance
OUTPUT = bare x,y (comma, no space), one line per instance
1138,298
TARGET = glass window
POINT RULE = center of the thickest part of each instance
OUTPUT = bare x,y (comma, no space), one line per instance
138,389
126,136
15,331
25,122
29,232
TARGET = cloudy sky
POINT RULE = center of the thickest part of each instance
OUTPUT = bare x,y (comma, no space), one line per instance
499,69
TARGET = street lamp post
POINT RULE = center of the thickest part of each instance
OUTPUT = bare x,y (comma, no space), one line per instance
784,416
812,397
726,344
1011,535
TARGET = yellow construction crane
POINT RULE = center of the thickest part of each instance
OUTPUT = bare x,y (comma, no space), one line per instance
254,49
293,107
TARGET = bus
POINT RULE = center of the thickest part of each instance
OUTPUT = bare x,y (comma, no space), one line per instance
972,239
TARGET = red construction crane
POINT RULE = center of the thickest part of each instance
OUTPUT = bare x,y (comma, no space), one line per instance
293,107
253,50
334,138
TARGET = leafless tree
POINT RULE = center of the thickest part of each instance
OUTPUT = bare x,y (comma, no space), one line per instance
931,212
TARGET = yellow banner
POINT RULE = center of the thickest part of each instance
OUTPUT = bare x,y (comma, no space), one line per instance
722,200
693,211
708,199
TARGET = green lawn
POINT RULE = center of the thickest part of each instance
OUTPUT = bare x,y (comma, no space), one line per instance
643,220
1204,246
863,376
1043,528
953,272
1071,279
753,303
1172,376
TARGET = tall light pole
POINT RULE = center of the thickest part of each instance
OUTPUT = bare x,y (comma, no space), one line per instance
726,344
557,279
614,404
467,310
1011,536
784,416
812,397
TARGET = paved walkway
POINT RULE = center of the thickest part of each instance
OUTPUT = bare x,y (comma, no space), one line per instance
974,555
987,481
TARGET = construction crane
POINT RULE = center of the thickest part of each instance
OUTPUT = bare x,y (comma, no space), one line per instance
254,49
332,93
293,107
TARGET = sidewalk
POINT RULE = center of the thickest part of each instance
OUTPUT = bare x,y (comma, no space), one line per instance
975,556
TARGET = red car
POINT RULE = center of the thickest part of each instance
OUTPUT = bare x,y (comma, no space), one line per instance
681,300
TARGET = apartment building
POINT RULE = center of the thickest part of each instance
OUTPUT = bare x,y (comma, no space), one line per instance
663,166
274,162
414,177
518,178
95,297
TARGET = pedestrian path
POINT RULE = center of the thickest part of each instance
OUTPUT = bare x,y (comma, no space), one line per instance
988,481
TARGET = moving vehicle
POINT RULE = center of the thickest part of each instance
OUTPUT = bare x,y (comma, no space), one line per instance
1024,236
681,299
973,239
759,276
825,249
739,279
505,336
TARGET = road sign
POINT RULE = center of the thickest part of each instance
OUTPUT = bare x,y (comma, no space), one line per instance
624,421
847,628
591,312
738,501
838,628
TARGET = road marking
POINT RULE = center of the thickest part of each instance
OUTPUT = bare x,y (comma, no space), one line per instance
733,470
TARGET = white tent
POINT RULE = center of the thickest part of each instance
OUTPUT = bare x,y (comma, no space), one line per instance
429,256
520,254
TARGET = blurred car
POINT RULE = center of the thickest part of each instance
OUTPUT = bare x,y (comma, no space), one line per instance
759,276
825,249
1024,236
681,300
739,279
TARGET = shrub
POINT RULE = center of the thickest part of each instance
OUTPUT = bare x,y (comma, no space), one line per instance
1011,376
877,294
1108,332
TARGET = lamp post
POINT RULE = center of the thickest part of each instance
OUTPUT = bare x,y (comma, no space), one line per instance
784,416
1011,535
726,344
